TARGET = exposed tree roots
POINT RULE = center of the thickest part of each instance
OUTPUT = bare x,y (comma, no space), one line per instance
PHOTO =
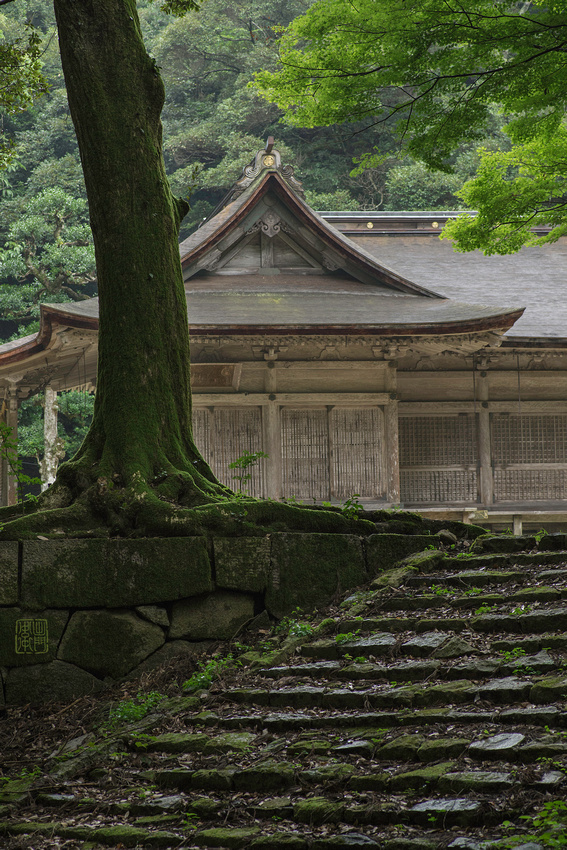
77,507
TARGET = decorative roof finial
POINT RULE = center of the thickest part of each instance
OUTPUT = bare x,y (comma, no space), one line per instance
269,144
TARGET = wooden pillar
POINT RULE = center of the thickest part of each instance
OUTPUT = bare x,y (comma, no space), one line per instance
486,484
272,436
273,444
392,454
53,445
9,480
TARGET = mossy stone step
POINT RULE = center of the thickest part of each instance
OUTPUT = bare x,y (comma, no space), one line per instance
531,644
123,835
502,562
195,742
532,621
378,644
404,602
467,578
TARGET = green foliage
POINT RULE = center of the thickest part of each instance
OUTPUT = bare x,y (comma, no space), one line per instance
243,464
346,637
74,417
207,672
9,453
441,591
22,78
548,827
294,627
48,253
437,73
130,710
484,609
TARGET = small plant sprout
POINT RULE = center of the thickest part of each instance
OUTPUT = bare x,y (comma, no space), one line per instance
207,672
294,627
130,710
345,637
244,465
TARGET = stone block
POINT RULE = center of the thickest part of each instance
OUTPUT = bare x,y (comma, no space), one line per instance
311,569
44,682
384,551
8,572
109,643
113,573
242,563
28,638
170,653
217,616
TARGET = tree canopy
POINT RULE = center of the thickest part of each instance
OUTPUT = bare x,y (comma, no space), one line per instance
22,79
440,70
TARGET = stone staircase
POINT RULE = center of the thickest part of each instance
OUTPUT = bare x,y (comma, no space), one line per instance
426,711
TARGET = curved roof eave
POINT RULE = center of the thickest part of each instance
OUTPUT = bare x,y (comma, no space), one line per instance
50,315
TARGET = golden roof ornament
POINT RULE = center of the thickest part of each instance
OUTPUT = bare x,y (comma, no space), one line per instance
267,159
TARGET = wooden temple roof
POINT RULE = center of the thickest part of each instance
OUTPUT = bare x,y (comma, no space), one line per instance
267,263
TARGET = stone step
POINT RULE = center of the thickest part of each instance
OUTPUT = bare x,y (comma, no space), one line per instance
275,722
427,709
416,671
424,828
524,622
446,599
503,691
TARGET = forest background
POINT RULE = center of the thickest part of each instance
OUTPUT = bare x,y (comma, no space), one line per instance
214,123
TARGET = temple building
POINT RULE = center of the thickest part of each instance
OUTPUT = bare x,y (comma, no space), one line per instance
357,350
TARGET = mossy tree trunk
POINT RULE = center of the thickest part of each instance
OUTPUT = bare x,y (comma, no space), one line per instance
141,431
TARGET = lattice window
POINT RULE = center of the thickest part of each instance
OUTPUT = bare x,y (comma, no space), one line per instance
526,439
438,459
238,430
305,453
515,485
442,485
224,434
356,437
435,441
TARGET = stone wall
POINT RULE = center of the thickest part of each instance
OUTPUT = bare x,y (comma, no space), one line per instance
78,614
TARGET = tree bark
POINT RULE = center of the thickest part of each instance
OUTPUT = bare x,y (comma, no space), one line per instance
141,431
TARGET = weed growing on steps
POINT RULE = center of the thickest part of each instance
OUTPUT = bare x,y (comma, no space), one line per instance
513,654
485,609
441,591
130,710
345,637
548,828
292,626
208,672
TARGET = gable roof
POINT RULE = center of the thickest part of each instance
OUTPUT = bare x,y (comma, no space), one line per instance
268,202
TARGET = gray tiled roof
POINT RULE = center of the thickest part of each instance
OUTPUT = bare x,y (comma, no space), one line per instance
535,278
232,308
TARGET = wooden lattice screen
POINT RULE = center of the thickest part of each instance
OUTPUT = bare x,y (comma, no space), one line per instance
529,454
305,453
332,453
327,453
356,440
224,434
438,459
